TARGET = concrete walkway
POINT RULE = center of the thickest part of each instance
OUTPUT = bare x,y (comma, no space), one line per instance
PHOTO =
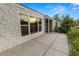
52,44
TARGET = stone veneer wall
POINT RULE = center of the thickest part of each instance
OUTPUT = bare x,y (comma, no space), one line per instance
10,32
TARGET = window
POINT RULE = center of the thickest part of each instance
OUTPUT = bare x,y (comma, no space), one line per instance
24,24
33,24
40,24
30,24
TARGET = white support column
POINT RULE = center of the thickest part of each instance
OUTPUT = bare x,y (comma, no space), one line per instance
38,24
43,25
52,25
28,25
48,25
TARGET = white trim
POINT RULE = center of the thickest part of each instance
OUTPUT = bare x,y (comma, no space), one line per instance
29,25
24,25
48,25
38,25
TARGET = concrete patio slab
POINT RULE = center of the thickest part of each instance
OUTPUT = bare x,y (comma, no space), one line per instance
31,48
47,38
52,44
61,44
54,53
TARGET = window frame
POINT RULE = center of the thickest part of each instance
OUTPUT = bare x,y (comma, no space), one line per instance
29,26
35,25
40,25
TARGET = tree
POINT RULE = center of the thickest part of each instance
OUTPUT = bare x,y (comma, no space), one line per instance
66,23
57,18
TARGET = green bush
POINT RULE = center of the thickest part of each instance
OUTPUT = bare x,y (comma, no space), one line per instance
75,43
74,52
73,36
73,33
64,28
66,23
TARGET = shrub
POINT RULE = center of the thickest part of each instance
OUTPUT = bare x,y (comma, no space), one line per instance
74,52
66,23
73,36
75,43
73,33
64,28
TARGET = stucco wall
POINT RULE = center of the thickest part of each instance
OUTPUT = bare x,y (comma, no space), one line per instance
10,32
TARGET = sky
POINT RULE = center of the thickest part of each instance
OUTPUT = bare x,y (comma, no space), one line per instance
51,9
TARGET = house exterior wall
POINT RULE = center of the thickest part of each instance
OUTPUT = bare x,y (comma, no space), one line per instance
10,31
53,22
58,23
